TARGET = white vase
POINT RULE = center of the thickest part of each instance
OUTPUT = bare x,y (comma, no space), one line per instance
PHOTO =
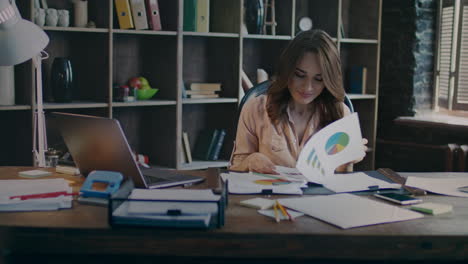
39,16
7,83
51,17
80,9
63,18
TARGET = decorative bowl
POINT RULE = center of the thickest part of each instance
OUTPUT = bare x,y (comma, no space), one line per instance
145,94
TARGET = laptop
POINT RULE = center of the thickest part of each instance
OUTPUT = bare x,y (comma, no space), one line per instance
99,143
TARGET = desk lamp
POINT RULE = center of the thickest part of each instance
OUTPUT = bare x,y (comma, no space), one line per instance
21,40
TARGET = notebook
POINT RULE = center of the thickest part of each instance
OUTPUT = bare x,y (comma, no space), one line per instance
99,143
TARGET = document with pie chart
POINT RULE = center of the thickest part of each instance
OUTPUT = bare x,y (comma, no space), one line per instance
336,144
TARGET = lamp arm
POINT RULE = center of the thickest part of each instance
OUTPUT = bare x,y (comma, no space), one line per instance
40,137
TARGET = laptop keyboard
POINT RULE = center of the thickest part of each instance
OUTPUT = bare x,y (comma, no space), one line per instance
152,179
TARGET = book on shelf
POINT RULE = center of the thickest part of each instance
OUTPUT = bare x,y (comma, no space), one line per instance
203,16
186,147
199,96
357,79
153,15
190,15
206,141
205,86
124,14
216,150
183,157
200,92
139,14
209,144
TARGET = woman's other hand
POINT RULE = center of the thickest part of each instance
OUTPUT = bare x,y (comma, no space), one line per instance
261,163
364,148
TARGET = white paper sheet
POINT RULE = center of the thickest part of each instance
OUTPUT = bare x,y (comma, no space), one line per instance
357,181
445,186
334,145
347,210
174,194
187,208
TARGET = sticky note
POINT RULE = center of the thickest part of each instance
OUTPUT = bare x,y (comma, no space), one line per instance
258,203
432,208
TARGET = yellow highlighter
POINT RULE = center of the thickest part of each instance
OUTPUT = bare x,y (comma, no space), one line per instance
275,209
285,213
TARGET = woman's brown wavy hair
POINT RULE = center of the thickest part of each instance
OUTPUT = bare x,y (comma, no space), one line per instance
328,105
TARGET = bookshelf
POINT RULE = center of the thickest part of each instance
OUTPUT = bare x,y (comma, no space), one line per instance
107,55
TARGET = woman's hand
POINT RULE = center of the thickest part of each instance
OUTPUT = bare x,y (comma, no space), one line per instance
364,148
348,167
261,163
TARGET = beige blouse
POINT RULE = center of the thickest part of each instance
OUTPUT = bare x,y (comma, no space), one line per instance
256,133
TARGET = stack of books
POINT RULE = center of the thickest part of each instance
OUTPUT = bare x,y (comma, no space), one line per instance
204,90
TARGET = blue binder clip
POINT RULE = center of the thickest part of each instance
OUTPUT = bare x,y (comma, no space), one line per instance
111,178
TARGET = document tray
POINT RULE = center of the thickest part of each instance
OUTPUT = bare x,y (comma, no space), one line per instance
185,212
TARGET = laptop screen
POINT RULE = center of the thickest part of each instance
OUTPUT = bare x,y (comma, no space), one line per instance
98,143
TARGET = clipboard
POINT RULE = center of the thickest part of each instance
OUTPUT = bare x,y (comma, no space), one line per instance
384,174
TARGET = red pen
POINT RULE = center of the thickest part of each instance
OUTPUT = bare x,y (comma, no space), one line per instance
42,195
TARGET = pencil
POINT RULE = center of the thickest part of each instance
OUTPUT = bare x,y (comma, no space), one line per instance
284,211
275,209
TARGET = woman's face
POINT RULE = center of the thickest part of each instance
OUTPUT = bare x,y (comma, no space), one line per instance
306,84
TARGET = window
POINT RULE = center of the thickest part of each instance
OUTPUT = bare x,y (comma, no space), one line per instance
451,76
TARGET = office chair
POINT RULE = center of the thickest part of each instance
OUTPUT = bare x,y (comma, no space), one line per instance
262,88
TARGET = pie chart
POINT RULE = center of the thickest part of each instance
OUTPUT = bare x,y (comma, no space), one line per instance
337,143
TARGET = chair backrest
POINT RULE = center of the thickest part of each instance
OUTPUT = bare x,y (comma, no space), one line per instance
262,88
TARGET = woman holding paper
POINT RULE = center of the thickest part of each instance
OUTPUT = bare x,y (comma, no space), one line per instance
306,96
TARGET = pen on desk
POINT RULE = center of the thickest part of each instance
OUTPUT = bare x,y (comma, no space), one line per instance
42,195
275,209
284,211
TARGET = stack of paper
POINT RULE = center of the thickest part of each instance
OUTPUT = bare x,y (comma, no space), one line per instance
34,195
161,207
251,183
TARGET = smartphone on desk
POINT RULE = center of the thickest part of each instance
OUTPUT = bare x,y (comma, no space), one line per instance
398,198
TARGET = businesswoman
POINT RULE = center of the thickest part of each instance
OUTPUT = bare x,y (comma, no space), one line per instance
306,96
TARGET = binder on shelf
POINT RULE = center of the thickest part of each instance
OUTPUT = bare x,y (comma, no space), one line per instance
203,16
153,15
357,79
139,14
174,208
190,15
124,14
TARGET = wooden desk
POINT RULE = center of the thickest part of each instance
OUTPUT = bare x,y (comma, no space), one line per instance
247,235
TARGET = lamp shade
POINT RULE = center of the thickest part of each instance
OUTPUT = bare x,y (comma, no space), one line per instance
20,40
